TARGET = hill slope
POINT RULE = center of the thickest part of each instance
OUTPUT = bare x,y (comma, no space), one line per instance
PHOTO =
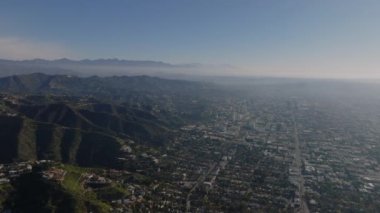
85,120
24,139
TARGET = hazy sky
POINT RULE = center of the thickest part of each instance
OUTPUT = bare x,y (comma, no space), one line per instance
316,38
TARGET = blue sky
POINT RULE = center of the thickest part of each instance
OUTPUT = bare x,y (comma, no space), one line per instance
334,38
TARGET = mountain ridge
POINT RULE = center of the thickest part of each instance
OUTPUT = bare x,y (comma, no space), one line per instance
44,83
84,120
109,67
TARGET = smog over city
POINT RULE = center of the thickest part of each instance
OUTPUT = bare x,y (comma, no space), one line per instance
189,106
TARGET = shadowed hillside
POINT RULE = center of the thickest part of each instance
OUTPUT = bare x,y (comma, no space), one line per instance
24,139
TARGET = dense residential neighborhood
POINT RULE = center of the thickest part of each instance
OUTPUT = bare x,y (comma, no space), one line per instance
286,154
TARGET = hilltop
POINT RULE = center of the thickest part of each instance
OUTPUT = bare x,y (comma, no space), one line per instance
85,121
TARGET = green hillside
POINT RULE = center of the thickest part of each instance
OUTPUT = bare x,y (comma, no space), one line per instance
24,139
32,193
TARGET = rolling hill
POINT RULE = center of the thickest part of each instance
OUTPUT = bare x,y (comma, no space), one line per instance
84,121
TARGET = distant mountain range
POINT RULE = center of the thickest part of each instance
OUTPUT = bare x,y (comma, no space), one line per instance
117,62
104,67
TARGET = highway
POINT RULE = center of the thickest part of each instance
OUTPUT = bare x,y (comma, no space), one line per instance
298,161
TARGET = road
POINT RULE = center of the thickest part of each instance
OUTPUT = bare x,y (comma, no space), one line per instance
200,180
214,167
298,161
